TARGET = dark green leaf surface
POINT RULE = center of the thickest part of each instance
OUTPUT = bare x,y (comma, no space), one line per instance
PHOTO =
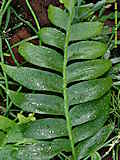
53,37
86,50
87,70
8,153
88,90
41,56
87,130
45,129
2,137
43,150
83,11
92,144
35,79
89,111
85,30
72,120
38,103
6,123
58,17
69,4
14,135
96,156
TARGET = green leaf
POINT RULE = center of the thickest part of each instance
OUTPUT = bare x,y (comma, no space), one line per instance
69,4
38,103
87,70
58,17
8,152
87,130
89,111
85,30
52,37
45,129
83,12
2,137
94,143
41,56
74,104
14,135
43,150
61,1
96,156
6,123
34,79
88,90
25,119
86,50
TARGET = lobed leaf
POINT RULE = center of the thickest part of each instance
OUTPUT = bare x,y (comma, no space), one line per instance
88,97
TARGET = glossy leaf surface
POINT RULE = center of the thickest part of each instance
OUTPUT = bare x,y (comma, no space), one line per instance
53,37
35,79
85,30
41,56
71,107
86,50
88,90
37,103
45,129
87,70
89,146
58,17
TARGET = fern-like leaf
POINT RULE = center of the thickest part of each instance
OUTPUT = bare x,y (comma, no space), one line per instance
72,86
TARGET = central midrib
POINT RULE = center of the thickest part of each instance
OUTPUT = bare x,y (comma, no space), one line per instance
66,104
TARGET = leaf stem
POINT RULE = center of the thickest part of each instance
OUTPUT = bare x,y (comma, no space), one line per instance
66,104
12,54
3,9
3,4
24,21
34,16
6,80
2,12
116,23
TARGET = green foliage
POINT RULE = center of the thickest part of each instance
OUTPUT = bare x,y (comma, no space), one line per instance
74,90
96,156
